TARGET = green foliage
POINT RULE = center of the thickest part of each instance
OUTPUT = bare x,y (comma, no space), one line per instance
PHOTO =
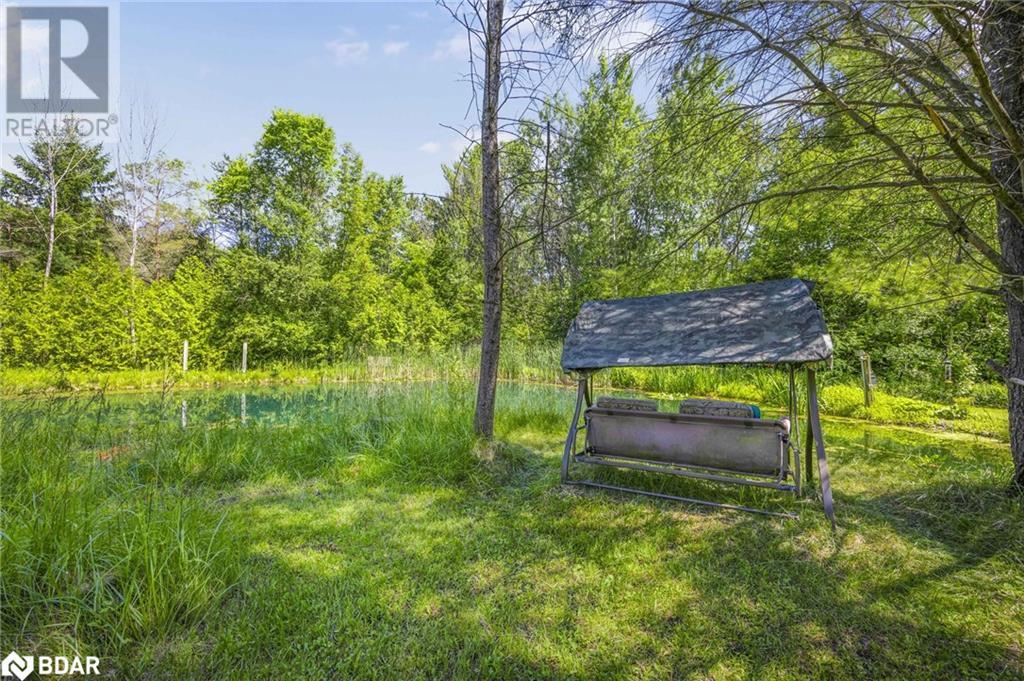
368,516
309,257
848,400
989,394
275,202
86,544
103,317
61,171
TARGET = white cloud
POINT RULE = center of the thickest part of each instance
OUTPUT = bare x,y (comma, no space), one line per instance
392,48
348,53
456,47
430,147
625,37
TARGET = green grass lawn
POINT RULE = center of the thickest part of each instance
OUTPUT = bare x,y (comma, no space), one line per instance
359,532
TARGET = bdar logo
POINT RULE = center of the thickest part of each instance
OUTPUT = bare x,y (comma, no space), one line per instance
16,665
47,665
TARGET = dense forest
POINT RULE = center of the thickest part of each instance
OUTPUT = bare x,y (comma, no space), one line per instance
299,250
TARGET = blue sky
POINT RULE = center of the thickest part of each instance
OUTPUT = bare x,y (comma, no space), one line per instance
385,76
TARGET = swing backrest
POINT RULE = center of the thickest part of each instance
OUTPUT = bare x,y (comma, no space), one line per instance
749,446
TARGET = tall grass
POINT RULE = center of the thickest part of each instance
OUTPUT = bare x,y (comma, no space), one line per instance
112,526
89,550
536,363
363,525
518,362
766,386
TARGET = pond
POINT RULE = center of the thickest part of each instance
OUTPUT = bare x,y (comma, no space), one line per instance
100,419
266,405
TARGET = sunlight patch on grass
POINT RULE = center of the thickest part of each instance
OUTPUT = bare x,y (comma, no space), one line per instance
361,537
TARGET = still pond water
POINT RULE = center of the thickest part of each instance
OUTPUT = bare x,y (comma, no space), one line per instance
541,408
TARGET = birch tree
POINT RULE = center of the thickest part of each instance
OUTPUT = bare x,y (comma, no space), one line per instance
55,188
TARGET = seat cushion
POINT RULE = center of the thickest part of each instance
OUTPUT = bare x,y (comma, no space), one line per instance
698,407
626,404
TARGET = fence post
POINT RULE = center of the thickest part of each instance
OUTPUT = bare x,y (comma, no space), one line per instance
866,378
184,356
245,356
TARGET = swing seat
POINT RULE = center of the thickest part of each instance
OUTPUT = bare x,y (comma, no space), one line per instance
769,323
725,444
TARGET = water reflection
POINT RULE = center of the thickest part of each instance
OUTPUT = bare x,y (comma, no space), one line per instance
535,408
264,405
243,412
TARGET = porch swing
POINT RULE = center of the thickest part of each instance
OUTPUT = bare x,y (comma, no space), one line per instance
769,323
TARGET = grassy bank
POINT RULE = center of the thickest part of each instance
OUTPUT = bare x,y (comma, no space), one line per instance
764,386
370,537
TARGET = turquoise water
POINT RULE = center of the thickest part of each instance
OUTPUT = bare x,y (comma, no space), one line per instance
538,407
100,418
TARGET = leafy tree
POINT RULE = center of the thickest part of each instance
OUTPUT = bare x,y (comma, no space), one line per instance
275,305
930,92
455,262
276,201
52,208
154,203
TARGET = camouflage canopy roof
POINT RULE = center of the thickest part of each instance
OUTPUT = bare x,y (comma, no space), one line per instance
763,323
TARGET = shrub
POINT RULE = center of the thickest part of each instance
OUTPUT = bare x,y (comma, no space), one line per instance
740,391
988,394
841,400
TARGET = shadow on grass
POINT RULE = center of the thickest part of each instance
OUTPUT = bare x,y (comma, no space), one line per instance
530,580
378,546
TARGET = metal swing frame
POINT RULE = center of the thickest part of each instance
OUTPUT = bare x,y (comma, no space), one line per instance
789,465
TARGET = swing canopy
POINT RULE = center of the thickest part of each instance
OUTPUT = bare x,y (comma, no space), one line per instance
768,322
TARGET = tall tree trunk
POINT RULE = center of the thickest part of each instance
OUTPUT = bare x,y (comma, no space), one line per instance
490,344
1001,41
1015,310
156,238
52,235
134,246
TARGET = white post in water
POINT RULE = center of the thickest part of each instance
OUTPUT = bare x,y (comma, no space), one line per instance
184,356
245,356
